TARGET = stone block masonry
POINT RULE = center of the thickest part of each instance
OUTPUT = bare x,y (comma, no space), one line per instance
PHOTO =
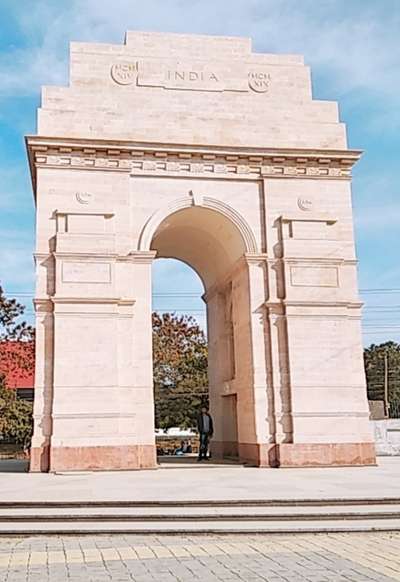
195,148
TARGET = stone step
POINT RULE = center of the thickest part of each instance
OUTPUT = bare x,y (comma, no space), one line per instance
226,513
196,527
301,502
171,517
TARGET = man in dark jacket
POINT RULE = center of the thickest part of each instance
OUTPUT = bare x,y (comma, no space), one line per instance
206,430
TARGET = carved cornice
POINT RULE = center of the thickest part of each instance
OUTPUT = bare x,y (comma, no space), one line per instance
43,305
279,307
149,159
142,257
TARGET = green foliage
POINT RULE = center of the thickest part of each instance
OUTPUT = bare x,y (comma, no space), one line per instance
374,360
180,370
15,416
17,339
17,348
12,329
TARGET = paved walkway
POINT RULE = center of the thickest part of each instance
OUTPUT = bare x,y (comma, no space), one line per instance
273,558
205,482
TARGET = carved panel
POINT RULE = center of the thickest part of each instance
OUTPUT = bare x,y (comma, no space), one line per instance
314,276
85,224
308,230
83,272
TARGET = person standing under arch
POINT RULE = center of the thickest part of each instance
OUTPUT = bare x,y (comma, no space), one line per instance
206,430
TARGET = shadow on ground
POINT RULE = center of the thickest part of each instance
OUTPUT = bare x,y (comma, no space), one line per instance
190,461
13,466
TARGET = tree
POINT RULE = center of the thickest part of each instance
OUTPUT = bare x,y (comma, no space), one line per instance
17,349
15,417
180,370
17,338
374,360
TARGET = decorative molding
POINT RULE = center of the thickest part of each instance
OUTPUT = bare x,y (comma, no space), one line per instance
144,257
148,159
312,303
329,219
93,300
78,415
84,255
84,212
255,258
43,305
227,211
311,261
331,414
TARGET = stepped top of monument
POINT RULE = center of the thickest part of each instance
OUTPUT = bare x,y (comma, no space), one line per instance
189,89
200,46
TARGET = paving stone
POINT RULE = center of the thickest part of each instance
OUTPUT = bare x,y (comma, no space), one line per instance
297,558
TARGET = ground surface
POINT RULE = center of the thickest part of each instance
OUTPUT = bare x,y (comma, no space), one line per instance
202,481
274,558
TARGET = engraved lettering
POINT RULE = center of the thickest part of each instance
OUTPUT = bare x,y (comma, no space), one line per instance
259,81
191,76
124,73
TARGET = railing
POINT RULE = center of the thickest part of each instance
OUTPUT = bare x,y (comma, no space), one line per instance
394,410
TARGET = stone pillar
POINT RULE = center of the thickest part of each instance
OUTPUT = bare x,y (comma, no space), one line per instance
276,337
217,366
241,391
94,405
44,358
313,314
42,409
255,436
140,380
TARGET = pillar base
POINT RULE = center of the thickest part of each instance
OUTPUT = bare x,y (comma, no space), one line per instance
308,454
113,458
221,449
326,455
39,459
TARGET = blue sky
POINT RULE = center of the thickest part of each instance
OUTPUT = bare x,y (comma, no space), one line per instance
353,48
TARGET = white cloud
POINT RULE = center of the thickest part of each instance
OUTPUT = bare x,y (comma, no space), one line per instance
352,45
355,45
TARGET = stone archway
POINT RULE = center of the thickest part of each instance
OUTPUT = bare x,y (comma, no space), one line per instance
145,153
203,234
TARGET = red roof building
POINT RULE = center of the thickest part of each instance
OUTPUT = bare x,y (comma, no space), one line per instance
17,365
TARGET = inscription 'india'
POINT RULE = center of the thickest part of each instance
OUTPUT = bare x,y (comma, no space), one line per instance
192,76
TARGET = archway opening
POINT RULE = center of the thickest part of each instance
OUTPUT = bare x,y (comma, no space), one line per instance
179,359
213,246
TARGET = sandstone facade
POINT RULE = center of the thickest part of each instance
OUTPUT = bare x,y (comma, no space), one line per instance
196,148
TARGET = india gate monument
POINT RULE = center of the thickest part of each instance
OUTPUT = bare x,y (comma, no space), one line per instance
198,149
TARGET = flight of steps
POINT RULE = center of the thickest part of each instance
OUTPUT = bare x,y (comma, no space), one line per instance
246,516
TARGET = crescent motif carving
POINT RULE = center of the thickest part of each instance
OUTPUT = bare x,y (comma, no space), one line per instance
83,197
304,204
